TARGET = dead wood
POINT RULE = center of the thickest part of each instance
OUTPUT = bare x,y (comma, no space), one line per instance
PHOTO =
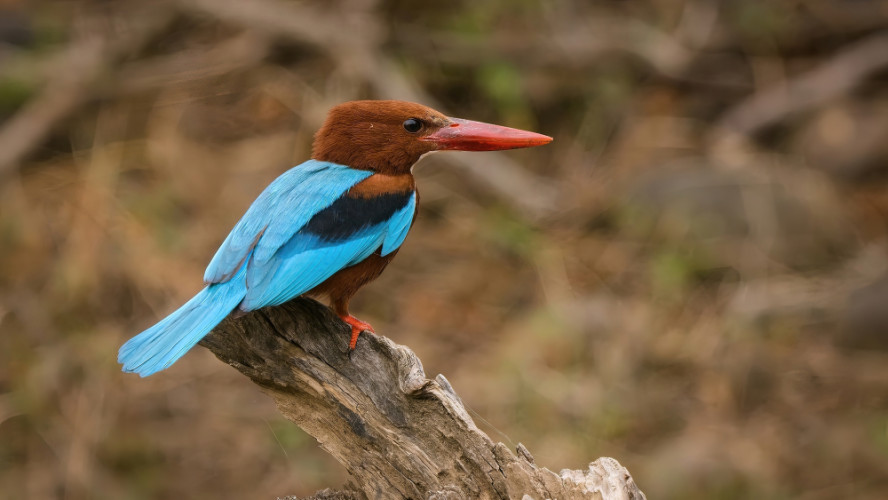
399,434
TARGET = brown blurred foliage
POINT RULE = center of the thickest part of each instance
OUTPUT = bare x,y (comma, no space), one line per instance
692,278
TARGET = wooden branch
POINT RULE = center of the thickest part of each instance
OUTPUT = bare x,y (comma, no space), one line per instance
399,434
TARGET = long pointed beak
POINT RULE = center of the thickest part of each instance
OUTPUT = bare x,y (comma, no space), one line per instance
468,135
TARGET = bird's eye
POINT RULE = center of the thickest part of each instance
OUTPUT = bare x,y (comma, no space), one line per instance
412,125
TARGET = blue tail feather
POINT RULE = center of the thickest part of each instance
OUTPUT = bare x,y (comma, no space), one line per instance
161,345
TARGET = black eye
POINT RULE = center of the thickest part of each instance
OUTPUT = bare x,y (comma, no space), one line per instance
412,125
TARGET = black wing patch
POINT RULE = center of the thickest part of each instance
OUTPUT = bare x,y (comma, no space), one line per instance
347,215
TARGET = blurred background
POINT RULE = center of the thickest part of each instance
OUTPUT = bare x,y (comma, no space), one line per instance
692,278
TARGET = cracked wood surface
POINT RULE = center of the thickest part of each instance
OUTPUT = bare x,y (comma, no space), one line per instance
399,434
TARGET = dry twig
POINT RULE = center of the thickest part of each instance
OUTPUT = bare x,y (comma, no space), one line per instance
399,434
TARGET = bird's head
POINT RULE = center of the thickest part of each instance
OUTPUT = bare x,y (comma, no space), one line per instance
390,136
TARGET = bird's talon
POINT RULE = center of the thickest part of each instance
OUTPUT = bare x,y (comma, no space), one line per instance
357,326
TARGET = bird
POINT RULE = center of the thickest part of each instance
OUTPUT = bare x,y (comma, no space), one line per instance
326,227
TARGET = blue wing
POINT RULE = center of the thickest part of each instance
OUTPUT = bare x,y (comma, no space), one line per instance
282,209
300,231
308,259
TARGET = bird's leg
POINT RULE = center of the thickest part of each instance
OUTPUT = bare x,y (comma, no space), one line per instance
340,306
358,326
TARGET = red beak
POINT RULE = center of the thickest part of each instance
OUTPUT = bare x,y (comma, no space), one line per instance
467,135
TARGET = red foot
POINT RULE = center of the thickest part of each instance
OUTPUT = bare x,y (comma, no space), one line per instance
358,326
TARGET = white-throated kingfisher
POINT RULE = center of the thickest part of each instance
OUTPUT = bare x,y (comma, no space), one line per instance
325,227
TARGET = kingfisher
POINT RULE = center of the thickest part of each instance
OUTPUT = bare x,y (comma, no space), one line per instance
326,227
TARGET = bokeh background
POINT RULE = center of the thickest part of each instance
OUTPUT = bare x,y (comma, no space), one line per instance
691,278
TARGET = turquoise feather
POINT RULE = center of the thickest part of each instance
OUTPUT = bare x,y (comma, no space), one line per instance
269,258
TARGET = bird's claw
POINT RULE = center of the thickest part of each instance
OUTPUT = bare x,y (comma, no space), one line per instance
357,327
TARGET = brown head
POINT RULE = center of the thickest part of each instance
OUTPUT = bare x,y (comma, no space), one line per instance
390,136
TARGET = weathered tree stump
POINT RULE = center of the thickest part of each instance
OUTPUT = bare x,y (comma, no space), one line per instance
399,434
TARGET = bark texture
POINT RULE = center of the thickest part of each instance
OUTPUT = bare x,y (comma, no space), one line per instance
399,434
